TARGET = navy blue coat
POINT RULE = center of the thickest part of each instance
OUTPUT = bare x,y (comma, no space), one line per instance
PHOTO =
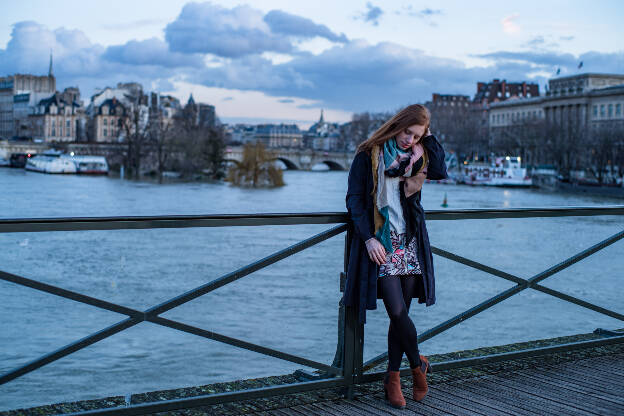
362,287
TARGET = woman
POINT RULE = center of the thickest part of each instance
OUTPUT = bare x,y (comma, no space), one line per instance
390,257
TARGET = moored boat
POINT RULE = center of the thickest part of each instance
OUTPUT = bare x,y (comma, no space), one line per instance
503,171
92,165
50,162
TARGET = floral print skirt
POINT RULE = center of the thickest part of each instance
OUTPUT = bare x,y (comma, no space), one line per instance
403,261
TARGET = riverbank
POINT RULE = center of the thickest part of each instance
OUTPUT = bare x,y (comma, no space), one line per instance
270,403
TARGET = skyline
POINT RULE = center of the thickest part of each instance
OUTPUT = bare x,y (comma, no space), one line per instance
277,61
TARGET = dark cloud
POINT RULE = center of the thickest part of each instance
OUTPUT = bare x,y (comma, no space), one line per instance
430,12
208,28
423,13
151,52
78,62
354,76
372,14
358,76
426,14
240,31
543,59
290,24
536,42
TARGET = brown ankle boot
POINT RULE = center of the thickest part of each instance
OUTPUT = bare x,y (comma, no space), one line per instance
420,387
392,390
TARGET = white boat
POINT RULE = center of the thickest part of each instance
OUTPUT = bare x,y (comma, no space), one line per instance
94,165
504,171
50,162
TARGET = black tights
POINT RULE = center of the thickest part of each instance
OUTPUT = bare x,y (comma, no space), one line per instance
402,336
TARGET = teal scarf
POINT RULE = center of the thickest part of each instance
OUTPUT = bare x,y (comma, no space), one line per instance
393,162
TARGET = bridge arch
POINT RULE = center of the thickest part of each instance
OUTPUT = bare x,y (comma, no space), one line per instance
230,162
290,165
333,165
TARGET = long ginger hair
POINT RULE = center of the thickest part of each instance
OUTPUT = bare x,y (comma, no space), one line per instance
410,115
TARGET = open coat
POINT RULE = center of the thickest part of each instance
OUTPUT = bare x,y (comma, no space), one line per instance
362,288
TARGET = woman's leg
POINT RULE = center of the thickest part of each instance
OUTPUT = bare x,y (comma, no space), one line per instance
402,335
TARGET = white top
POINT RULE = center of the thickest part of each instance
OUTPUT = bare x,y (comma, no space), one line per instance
395,210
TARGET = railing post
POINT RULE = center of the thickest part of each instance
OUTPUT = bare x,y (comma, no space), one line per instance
352,333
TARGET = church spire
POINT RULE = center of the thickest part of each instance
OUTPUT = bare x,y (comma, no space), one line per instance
321,119
50,72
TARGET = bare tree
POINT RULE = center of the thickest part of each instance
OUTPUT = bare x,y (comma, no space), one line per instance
201,148
257,169
136,133
606,150
161,140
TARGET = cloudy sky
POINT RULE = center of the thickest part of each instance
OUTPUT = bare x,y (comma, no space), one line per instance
276,60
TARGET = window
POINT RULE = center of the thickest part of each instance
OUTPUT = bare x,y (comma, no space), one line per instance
105,122
602,110
68,124
618,109
61,131
595,111
610,110
105,132
53,132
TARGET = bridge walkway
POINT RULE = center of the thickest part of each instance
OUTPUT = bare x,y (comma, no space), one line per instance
591,386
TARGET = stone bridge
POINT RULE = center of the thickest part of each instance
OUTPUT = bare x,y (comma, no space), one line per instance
296,159
300,159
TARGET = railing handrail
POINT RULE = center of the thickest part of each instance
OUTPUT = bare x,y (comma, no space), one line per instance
16,225
351,368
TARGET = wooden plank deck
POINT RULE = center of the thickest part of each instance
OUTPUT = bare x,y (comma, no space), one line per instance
592,386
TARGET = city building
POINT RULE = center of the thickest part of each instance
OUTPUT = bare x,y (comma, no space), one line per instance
279,135
460,124
57,118
163,109
241,134
323,136
113,108
577,104
497,90
107,120
584,99
12,95
201,115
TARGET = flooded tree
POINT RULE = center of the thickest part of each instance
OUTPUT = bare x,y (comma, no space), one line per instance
257,169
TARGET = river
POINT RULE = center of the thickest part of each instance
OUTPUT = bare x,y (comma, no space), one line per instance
291,306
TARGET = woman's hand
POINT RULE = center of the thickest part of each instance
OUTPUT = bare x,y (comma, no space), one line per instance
376,251
414,183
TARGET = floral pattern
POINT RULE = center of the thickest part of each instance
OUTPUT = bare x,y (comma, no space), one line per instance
403,261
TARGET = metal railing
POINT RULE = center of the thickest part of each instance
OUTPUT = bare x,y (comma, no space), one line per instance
348,368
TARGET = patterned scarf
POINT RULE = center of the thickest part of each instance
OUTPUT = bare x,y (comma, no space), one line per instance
391,161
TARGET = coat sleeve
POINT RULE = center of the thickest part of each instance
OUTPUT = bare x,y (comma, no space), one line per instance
437,167
357,195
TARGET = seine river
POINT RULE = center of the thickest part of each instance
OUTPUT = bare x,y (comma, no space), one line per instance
291,306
